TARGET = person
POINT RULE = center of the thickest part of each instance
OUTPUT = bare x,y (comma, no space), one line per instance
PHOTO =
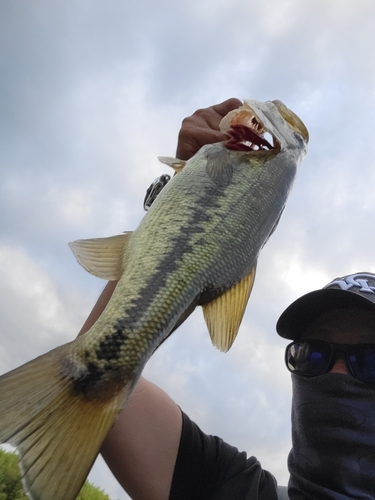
157,453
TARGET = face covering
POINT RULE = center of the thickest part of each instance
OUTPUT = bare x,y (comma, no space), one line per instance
333,436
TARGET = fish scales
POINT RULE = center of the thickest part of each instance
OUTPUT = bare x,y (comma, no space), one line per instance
187,262
197,245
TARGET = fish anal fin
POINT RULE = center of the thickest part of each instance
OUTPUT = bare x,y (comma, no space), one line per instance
57,431
224,314
102,257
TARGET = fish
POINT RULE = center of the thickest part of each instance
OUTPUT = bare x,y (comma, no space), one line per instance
197,245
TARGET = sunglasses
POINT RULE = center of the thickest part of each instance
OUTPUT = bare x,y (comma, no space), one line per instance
310,358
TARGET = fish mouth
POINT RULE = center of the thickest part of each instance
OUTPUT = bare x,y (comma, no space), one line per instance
247,132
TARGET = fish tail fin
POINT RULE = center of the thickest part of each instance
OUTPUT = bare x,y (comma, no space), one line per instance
58,432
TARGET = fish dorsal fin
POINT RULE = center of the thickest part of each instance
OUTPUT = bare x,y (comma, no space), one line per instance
224,314
175,163
102,257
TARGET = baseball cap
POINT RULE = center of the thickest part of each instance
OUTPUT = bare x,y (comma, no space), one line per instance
354,290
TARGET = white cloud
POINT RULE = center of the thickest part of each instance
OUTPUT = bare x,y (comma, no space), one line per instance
93,93
35,316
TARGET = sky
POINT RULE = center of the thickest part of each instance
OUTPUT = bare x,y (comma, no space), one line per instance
92,92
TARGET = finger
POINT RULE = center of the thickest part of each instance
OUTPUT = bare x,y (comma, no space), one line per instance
213,115
190,140
224,107
202,127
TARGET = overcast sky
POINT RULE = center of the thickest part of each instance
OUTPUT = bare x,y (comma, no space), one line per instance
91,92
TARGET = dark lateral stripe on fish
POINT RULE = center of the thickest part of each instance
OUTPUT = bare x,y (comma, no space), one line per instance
140,319
88,380
143,306
206,208
109,347
181,244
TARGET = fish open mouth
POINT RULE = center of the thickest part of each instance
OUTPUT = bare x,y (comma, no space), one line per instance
246,133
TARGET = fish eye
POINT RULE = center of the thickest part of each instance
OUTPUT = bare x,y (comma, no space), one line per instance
299,139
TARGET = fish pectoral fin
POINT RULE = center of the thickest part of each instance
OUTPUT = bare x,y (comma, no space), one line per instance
224,314
175,163
102,257
219,166
57,430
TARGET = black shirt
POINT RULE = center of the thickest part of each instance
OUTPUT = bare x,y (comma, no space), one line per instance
207,468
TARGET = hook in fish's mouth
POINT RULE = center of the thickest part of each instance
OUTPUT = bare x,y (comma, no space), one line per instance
246,133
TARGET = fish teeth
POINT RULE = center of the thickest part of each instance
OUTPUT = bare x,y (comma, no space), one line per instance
247,138
255,125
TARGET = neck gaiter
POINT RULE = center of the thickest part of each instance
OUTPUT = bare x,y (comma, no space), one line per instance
333,436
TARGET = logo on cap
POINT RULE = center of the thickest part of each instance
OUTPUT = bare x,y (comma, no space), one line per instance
355,280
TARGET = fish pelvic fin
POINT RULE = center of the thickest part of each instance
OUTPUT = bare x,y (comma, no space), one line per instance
58,432
224,314
102,257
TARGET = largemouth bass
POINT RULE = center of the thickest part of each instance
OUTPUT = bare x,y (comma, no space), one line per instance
197,245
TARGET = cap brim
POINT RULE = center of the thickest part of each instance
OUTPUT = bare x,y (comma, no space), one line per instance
295,320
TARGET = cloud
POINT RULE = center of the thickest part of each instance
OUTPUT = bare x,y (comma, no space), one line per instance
32,309
92,93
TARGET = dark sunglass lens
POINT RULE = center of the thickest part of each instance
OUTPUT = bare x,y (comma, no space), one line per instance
362,363
309,358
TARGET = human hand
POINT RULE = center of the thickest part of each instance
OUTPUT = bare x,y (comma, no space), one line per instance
202,127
